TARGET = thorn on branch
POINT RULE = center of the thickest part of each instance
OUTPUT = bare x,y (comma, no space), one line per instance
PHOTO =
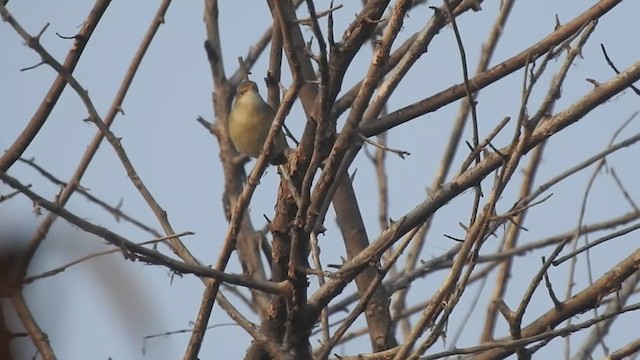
320,229
33,66
12,194
67,37
471,148
613,66
556,303
205,123
453,238
504,157
595,83
37,38
309,22
513,222
352,177
558,24
401,153
117,208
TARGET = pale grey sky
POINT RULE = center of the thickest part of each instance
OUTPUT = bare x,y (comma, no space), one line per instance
104,307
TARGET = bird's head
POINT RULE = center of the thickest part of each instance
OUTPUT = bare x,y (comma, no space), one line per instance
247,92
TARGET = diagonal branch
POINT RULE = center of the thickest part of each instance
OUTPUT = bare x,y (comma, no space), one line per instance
130,248
492,75
51,99
471,177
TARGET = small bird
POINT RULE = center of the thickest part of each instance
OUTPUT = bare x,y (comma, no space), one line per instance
249,124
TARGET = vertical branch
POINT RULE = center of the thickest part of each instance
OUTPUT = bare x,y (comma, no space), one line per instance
553,94
511,237
367,296
423,38
275,324
275,66
247,247
335,186
324,131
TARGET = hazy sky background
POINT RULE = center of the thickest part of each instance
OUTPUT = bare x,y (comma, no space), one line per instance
104,307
